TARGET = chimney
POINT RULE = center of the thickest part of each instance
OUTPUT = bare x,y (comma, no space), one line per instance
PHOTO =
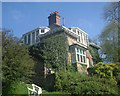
54,18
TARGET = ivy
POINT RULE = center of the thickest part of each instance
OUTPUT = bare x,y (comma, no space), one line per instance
52,52
55,52
83,66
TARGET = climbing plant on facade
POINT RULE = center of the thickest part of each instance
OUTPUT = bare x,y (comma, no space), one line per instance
55,52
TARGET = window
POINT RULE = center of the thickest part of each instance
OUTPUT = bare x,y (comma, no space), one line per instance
81,58
25,39
77,50
79,38
84,59
78,32
74,30
80,51
78,57
73,58
42,30
37,33
29,39
72,50
83,52
84,39
33,37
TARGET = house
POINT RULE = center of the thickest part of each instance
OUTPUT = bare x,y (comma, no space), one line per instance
78,42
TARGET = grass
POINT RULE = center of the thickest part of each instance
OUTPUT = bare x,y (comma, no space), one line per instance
55,93
21,88
18,88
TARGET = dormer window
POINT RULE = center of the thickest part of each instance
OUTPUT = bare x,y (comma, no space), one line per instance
78,32
42,30
74,30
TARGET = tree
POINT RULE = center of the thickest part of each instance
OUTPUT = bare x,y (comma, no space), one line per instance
111,12
109,42
17,64
109,38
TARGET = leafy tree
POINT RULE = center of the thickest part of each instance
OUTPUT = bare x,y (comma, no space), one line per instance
109,38
109,42
17,64
111,12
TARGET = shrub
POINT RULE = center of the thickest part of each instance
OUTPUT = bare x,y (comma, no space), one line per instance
101,69
77,83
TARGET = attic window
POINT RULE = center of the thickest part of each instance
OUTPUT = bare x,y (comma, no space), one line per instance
42,30
74,30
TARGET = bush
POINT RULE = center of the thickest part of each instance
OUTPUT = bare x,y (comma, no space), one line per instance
17,65
16,88
77,83
101,69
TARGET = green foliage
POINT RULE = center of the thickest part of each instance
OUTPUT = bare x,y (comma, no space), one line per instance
83,67
18,88
55,52
52,52
111,70
57,93
109,42
77,83
103,70
110,37
17,64
94,52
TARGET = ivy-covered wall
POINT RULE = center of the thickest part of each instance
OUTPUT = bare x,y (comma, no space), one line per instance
56,52
51,53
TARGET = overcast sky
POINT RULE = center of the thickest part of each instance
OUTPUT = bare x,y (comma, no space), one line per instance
23,17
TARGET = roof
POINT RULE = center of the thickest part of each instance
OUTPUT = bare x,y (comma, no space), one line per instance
35,30
94,45
75,44
78,29
68,31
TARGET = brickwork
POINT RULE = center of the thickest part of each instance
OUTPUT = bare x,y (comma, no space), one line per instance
54,18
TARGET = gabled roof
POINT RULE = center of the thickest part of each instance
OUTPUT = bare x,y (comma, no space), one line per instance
53,31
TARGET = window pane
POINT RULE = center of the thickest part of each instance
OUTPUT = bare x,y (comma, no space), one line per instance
81,58
33,37
80,51
25,39
42,30
73,58
29,39
37,33
79,38
72,50
77,50
74,30
84,59
78,57
83,52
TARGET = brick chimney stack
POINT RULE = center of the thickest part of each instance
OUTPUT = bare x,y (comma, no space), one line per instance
54,18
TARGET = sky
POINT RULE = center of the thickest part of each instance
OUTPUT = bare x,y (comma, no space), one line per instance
22,17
